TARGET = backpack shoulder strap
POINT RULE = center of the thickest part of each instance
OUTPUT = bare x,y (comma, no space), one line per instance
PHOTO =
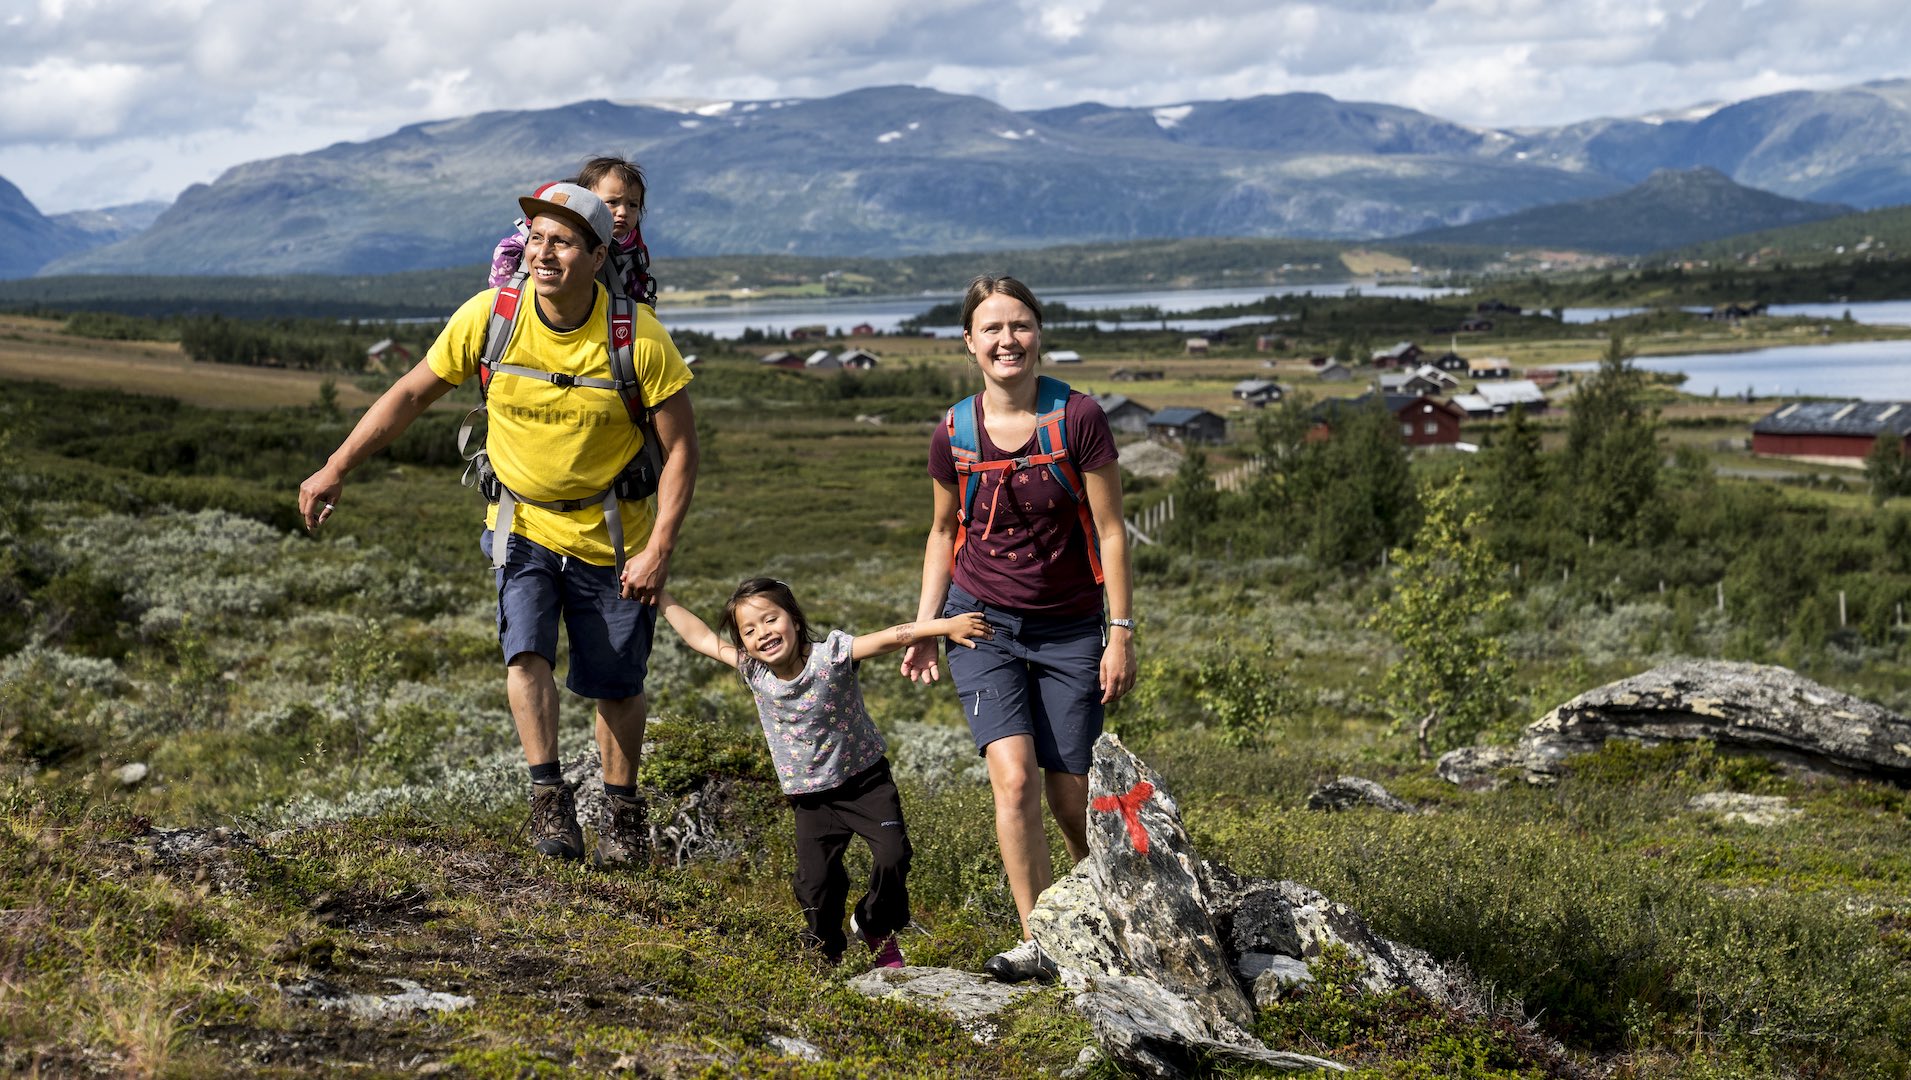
1051,433
965,447
506,306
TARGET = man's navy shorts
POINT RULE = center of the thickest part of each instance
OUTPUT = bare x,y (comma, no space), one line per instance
609,635
1037,677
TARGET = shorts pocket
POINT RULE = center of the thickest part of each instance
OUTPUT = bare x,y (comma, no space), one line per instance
974,701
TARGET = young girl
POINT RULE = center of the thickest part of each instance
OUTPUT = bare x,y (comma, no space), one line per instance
828,754
620,184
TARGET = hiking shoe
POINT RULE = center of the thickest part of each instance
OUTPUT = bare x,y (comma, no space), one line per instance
888,952
553,826
1025,961
623,832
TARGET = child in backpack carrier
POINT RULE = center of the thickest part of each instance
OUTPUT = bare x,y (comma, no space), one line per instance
829,757
620,184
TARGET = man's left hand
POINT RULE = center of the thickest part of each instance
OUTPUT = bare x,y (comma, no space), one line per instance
643,577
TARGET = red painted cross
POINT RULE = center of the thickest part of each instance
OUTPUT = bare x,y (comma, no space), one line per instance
1130,806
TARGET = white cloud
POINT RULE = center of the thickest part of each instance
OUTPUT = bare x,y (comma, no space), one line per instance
102,98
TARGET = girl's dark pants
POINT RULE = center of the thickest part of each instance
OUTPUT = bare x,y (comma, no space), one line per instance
867,805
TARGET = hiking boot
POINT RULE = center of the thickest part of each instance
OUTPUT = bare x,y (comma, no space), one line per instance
553,826
623,832
888,952
1025,961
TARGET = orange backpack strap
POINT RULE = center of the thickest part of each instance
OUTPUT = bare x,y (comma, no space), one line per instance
1051,430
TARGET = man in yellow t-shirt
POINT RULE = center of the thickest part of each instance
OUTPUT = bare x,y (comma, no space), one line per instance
555,441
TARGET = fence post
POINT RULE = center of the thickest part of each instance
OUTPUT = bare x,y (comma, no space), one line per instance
1841,608
1721,594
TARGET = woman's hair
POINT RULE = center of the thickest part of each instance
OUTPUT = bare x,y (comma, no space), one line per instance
776,592
628,171
987,285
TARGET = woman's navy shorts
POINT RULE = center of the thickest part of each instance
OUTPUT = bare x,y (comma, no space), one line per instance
1037,677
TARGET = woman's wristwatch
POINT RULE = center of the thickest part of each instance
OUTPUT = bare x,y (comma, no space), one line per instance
1125,624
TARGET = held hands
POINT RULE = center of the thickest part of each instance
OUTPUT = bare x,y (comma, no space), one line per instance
643,577
318,495
919,662
963,630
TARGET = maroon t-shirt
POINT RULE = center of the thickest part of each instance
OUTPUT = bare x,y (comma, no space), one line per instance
1035,558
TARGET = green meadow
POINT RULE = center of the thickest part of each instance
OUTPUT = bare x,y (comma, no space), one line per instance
336,704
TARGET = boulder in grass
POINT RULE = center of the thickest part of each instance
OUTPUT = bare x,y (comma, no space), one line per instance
1755,708
1349,792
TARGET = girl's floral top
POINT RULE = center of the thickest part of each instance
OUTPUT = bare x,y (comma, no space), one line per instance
819,733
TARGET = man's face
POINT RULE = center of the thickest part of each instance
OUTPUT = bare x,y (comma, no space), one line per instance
558,258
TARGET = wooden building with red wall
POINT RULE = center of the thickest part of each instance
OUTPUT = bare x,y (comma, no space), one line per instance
1833,432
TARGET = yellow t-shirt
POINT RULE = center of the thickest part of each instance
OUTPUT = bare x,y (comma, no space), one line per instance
550,442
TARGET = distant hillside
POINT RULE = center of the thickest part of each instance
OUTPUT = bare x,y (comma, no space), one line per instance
427,293
1870,234
112,224
900,170
1670,209
28,238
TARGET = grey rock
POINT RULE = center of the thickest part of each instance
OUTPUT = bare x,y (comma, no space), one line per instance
131,773
1748,809
1351,791
1286,918
1758,708
789,1046
1252,965
1478,768
1072,927
1280,978
1158,1033
410,1000
1146,875
972,1000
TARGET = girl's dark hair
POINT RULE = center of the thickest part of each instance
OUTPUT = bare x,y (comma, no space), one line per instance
987,285
629,172
776,593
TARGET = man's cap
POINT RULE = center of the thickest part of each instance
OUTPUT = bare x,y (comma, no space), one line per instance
576,205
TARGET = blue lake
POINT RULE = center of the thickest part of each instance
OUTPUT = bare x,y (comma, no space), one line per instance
1866,370
886,314
1875,312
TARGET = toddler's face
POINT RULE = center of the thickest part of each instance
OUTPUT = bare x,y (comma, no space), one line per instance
622,202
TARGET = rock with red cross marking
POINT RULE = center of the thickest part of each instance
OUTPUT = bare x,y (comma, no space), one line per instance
1147,876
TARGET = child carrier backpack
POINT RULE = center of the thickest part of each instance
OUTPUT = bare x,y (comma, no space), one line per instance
637,480
1051,437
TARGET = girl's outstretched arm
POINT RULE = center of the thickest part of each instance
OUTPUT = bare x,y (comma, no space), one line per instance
695,632
963,630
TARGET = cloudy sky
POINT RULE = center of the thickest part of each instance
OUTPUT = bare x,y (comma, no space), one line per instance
111,101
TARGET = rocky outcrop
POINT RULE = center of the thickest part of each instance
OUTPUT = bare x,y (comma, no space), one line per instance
1749,707
1351,791
1478,768
973,1001
1159,949
1745,809
1263,922
1145,874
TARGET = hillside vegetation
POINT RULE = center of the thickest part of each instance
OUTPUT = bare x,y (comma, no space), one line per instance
338,702
1670,208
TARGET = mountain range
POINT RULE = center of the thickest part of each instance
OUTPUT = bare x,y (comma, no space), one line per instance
892,170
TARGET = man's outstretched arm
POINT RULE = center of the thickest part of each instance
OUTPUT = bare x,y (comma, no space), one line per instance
387,419
645,573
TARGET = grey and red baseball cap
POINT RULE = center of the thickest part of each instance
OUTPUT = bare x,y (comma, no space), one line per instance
575,205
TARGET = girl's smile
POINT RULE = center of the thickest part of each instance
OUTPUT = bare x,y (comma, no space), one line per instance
768,635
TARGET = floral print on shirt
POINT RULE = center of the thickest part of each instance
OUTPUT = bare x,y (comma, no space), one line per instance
818,731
